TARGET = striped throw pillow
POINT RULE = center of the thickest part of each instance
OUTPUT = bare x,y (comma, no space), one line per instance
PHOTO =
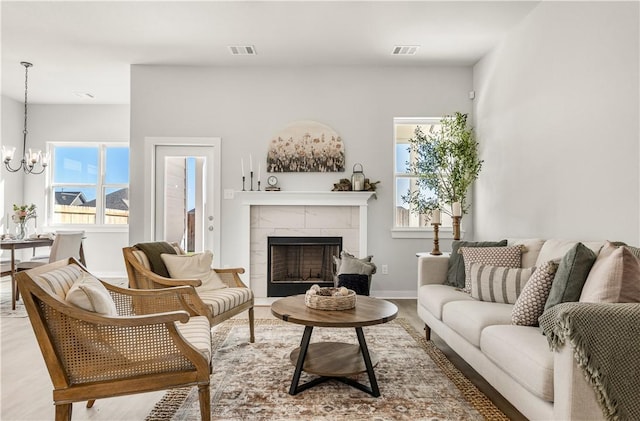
498,284
510,257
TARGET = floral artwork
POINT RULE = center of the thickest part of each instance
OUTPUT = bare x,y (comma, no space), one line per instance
306,146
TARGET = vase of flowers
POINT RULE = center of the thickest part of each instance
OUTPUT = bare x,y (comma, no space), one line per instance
22,214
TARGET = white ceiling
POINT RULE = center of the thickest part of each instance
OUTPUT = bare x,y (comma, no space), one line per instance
87,46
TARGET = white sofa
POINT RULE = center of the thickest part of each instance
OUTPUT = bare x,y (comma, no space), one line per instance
515,360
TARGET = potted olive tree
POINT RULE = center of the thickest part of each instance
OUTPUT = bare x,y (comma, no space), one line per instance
446,162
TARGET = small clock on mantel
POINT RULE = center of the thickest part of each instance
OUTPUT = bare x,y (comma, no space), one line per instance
272,182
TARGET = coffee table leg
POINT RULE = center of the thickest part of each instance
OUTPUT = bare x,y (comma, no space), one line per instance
304,345
367,362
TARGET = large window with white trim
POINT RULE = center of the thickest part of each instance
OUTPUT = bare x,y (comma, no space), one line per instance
405,181
89,184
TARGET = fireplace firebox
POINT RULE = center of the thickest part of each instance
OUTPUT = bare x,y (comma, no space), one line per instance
296,263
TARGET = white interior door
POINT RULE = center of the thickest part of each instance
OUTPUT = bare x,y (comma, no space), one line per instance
186,197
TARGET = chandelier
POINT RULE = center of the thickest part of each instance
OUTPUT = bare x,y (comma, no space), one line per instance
29,162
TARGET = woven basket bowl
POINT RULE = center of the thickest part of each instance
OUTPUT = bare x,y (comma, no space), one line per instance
324,302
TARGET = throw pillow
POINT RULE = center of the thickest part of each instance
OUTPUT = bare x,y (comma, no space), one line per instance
530,304
510,257
358,283
194,266
571,275
498,284
352,265
89,294
455,271
614,278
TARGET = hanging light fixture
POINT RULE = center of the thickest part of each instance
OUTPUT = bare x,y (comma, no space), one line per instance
29,160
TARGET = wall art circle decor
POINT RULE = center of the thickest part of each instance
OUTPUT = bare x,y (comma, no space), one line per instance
306,146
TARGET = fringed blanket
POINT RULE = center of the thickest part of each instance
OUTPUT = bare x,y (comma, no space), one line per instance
153,252
606,342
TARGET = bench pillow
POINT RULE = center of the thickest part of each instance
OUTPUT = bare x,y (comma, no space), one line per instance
614,277
572,273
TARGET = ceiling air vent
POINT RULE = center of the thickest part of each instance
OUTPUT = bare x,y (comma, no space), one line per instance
405,50
242,50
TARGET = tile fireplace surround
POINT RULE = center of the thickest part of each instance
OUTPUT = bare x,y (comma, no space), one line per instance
299,214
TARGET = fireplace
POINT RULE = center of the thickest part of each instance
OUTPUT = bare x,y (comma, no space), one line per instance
296,263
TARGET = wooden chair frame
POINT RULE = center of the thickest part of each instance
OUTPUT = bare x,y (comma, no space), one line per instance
141,277
51,319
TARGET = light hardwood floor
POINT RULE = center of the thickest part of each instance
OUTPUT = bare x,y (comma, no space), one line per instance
25,386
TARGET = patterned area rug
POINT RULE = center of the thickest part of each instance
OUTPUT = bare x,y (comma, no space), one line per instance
251,381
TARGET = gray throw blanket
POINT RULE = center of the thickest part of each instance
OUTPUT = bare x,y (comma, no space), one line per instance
153,252
606,342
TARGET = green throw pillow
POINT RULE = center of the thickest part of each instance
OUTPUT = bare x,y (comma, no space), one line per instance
455,273
571,275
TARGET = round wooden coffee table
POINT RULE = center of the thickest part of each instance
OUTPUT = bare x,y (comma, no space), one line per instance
334,360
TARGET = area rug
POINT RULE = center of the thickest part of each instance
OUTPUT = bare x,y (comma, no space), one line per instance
251,381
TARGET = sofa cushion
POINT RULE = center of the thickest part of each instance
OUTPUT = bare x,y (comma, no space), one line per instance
614,278
510,257
468,318
455,271
530,304
530,251
555,249
498,284
523,353
434,297
571,275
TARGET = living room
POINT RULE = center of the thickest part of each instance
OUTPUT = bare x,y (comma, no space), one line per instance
555,112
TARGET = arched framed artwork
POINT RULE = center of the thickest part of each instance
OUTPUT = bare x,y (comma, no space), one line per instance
306,146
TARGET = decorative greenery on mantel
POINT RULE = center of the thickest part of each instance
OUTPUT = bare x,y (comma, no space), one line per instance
446,162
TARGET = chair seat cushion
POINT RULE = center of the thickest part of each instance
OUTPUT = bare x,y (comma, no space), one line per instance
197,332
223,300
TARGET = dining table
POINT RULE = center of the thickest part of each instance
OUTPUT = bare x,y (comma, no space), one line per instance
14,245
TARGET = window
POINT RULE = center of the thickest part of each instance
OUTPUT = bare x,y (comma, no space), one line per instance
405,182
89,184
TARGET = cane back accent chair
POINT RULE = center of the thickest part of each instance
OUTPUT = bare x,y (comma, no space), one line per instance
219,305
141,349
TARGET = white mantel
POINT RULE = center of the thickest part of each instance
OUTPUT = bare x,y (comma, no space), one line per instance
300,198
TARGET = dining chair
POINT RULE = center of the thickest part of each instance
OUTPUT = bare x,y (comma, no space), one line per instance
65,244
99,340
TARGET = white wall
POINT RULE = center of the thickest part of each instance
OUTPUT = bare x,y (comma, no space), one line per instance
556,114
247,106
75,123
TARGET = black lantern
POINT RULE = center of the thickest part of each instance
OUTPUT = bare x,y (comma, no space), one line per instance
357,178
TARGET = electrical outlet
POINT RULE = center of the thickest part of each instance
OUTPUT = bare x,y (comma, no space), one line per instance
385,269
228,193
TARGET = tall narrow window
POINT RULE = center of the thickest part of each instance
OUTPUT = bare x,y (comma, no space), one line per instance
405,181
89,184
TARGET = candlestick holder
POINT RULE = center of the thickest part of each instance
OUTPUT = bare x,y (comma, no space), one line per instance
258,185
456,227
436,242
243,178
251,174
